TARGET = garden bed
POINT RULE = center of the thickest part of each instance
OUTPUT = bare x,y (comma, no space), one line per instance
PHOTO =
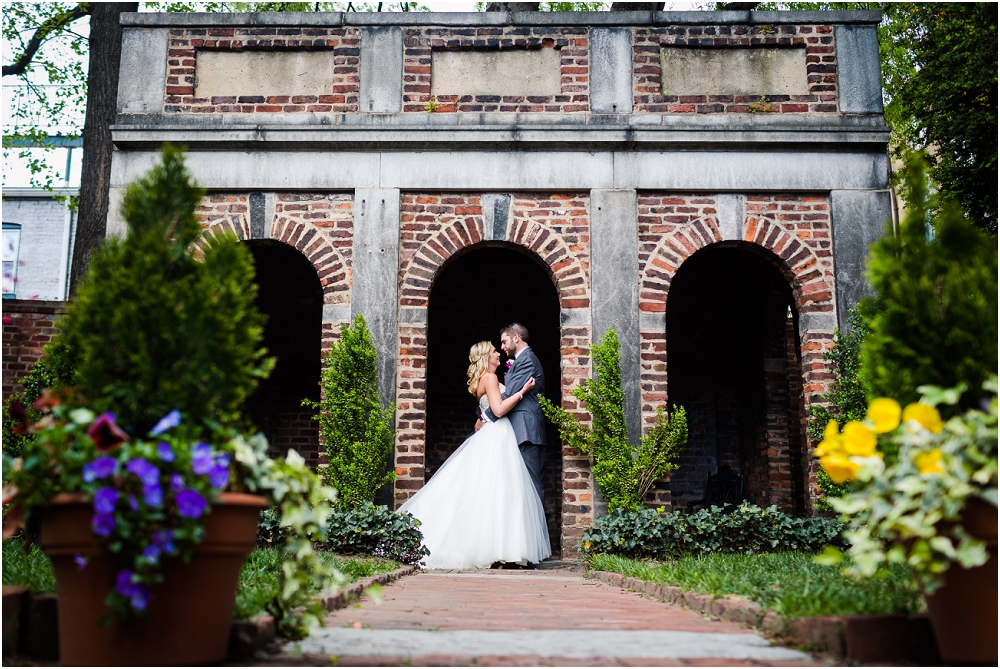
809,605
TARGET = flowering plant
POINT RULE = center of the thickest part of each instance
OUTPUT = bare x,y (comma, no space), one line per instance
150,497
912,510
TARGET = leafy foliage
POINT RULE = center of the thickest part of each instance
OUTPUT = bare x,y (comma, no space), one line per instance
787,583
54,369
848,394
154,328
26,565
747,529
935,322
356,431
913,511
623,472
373,529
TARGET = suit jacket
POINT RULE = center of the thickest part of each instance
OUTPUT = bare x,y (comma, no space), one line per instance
526,417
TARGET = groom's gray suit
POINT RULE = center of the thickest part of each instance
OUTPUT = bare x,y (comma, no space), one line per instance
526,417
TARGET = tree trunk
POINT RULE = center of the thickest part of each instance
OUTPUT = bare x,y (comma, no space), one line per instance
102,102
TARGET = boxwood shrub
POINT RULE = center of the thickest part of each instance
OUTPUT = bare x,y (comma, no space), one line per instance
369,529
745,529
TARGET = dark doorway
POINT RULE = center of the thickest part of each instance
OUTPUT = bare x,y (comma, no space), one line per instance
289,294
473,296
733,362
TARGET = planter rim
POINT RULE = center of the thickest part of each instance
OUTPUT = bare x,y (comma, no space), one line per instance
235,498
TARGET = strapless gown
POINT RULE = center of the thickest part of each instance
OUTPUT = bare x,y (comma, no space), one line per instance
480,507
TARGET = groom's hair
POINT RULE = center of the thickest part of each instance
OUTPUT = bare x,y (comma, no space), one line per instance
516,329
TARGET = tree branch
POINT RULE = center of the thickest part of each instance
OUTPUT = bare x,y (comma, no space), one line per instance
42,33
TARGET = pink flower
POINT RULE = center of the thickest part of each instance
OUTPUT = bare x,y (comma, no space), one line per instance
510,363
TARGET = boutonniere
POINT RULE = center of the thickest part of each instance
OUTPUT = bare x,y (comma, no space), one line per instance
510,363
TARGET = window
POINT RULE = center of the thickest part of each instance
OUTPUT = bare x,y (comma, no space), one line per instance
11,244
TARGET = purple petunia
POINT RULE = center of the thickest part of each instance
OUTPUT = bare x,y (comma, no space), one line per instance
152,495
147,473
151,554
165,452
99,469
176,482
133,503
103,524
105,433
164,540
105,500
201,458
171,420
137,593
81,562
190,504
219,477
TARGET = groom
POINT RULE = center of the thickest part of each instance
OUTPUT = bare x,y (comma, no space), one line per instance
526,416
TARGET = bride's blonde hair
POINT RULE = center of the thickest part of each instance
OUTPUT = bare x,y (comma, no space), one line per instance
479,356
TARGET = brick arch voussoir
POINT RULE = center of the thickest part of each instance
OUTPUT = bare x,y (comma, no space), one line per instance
796,260
326,259
670,254
552,250
415,284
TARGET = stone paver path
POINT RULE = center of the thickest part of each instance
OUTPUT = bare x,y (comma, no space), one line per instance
524,618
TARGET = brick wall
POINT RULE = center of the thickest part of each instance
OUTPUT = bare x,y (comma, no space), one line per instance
821,67
28,325
182,57
418,43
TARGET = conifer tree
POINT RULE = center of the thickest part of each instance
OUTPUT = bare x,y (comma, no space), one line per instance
156,329
356,431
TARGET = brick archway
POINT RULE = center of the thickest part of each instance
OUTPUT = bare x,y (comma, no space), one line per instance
436,227
793,230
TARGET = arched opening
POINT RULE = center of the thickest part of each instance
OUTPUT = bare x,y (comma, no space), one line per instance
473,296
289,294
733,362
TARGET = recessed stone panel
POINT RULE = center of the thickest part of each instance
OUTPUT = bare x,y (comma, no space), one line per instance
521,72
748,71
263,73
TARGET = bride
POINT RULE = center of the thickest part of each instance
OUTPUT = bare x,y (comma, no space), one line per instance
481,507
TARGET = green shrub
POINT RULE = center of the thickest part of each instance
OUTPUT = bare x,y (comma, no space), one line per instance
623,472
26,565
746,529
848,394
372,529
156,329
936,321
355,430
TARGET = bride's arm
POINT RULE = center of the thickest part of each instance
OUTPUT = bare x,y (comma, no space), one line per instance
497,405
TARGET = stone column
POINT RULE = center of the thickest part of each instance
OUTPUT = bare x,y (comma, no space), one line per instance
859,77
381,69
859,218
375,284
611,70
614,261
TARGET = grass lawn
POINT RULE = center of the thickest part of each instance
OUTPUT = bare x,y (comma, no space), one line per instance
258,580
789,584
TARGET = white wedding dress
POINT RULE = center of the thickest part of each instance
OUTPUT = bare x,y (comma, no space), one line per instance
480,507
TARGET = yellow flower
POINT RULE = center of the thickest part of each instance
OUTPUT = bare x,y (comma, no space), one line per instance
884,412
831,441
839,468
859,439
926,415
586,545
930,463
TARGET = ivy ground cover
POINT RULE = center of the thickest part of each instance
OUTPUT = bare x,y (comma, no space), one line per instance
259,580
790,584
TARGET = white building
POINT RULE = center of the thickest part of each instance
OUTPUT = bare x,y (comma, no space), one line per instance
38,231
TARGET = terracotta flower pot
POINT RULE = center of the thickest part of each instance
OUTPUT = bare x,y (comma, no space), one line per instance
189,614
964,610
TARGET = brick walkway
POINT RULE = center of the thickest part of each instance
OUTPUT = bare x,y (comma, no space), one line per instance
524,618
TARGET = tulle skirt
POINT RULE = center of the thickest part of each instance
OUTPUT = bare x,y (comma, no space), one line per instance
480,507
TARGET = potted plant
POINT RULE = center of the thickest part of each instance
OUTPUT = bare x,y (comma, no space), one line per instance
934,508
139,478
